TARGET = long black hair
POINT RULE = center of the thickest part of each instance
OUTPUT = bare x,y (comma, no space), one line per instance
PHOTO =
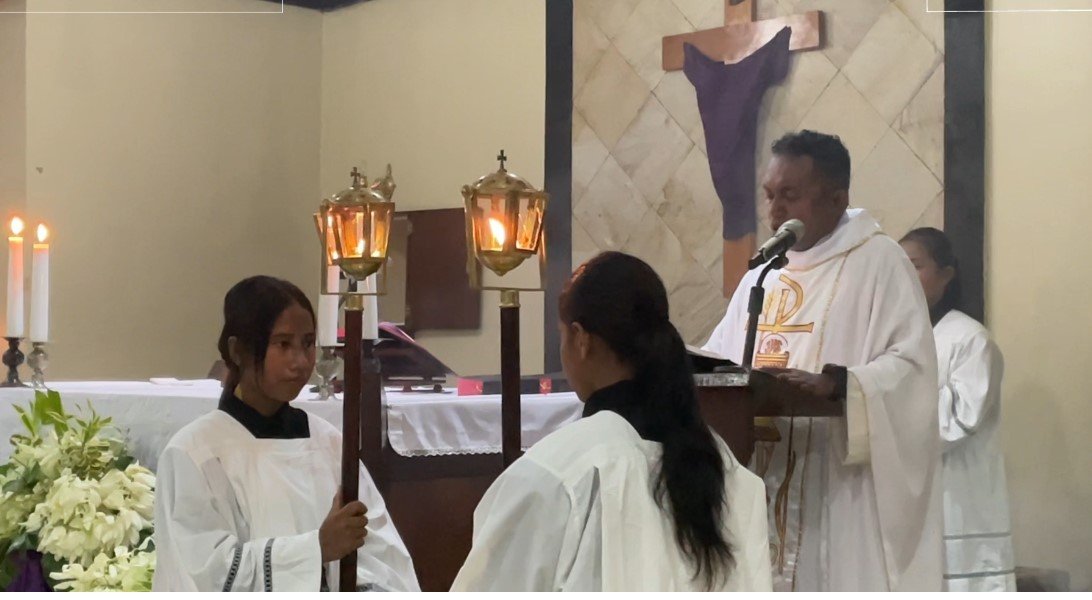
939,248
251,308
620,298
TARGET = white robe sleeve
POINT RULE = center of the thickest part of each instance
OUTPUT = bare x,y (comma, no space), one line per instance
857,444
973,389
198,542
520,531
383,563
898,381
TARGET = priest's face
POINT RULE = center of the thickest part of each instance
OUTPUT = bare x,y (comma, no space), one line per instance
795,189
934,279
290,357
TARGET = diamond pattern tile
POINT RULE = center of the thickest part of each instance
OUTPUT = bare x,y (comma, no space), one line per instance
921,123
676,94
696,11
930,23
846,23
696,305
589,44
611,97
691,210
611,15
588,155
843,111
933,215
584,247
894,186
652,148
611,207
640,40
891,63
809,76
654,243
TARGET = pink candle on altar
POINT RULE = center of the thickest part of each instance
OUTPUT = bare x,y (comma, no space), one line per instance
15,280
39,288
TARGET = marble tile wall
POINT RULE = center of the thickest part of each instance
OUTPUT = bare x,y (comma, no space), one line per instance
641,180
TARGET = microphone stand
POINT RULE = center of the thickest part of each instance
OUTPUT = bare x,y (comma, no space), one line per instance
754,308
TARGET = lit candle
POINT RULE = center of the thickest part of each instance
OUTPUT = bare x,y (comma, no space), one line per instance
327,309
39,289
15,279
496,230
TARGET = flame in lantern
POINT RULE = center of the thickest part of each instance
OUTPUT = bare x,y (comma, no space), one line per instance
360,247
497,229
43,233
17,226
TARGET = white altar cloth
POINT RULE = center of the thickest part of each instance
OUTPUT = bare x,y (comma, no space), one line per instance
418,423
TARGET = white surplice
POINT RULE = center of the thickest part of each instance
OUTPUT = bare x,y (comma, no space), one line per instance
234,512
864,500
977,537
576,513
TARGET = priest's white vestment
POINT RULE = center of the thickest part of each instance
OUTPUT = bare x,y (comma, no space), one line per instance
862,508
576,513
977,538
238,513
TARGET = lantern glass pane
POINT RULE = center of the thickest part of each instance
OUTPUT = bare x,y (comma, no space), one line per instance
530,223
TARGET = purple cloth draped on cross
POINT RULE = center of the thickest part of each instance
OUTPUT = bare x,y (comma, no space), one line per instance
729,98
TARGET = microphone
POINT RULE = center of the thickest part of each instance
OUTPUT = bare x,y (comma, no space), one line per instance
786,236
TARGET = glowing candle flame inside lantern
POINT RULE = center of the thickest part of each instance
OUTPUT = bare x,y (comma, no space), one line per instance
496,228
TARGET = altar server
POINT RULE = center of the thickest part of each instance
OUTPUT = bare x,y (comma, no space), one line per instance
856,500
637,495
977,538
247,496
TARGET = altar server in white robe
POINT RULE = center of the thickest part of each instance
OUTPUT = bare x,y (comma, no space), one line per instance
977,538
859,505
247,496
639,494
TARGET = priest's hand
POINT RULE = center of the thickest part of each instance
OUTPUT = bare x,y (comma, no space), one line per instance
816,384
343,530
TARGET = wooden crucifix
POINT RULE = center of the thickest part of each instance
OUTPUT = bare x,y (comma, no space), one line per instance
741,35
731,68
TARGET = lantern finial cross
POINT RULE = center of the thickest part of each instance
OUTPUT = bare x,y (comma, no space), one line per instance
502,158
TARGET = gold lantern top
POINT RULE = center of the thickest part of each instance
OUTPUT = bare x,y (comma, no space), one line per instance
504,215
354,225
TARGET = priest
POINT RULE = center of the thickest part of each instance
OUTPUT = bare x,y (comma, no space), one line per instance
856,500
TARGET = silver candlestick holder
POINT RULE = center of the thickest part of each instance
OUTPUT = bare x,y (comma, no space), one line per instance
38,360
327,366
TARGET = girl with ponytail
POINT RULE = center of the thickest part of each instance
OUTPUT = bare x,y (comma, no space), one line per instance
637,495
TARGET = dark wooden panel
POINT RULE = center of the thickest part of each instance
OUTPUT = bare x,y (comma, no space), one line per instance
435,518
965,146
558,169
438,292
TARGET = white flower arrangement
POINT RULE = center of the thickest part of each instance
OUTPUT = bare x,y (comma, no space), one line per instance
72,492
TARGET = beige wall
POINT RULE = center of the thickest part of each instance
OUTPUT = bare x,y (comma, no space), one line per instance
1039,182
173,155
436,87
13,117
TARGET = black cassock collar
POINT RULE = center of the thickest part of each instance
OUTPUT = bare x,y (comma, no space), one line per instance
288,423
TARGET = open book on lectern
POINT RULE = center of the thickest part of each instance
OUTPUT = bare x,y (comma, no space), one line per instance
705,361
